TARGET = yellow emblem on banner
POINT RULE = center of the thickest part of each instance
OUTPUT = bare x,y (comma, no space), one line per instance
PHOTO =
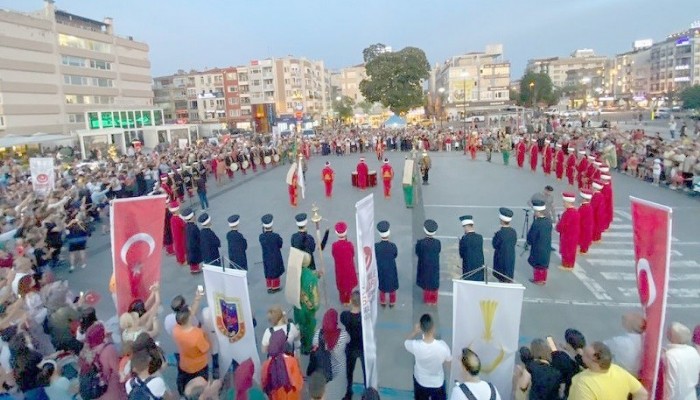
488,313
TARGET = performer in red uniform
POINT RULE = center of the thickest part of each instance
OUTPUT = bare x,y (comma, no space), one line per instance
520,151
387,175
559,161
592,172
571,166
293,183
581,170
547,156
597,203
568,228
585,213
328,175
534,152
167,188
177,227
362,174
608,196
473,144
344,256
379,148
167,232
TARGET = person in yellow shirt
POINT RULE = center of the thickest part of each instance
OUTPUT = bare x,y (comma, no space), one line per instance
604,380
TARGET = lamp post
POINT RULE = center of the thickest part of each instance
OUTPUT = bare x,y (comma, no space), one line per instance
337,105
464,75
441,91
532,93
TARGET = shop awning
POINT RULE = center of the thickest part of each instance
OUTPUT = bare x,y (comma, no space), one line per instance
37,138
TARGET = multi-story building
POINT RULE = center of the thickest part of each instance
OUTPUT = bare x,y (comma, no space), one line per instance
348,82
473,81
235,115
628,75
56,66
205,94
557,68
170,95
674,63
301,85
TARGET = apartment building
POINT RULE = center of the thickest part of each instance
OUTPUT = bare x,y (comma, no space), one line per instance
170,95
237,114
558,68
473,81
56,66
347,81
301,85
674,64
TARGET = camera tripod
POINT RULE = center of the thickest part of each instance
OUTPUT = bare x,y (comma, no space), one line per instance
523,232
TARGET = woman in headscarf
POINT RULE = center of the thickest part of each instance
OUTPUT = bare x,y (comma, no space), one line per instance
281,377
99,346
335,339
243,383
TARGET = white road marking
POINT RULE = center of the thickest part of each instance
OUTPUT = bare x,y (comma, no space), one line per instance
622,252
618,234
631,276
623,214
630,263
621,226
539,300
672,292
617,219
590,283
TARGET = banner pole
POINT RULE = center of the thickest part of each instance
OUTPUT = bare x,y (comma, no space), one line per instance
316,219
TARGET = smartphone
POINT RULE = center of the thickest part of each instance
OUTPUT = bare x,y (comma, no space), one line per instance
82,294
200,289
551,344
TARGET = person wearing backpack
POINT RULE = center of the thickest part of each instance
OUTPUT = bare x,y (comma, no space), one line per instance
334,340
99,375
146,386
473,388
278,321
281,377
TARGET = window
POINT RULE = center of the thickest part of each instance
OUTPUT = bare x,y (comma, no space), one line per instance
245,112
230,76
83,99
87,81
76,118
232,89
256,82
73,61
234,113
100,64
220,103
86,44
193,104
233,101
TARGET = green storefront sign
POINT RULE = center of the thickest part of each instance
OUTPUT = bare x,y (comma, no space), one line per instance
124,119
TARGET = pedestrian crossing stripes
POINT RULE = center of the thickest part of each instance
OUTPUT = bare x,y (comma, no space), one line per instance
621,252
590,283
631,276
606,262
672,292
621,226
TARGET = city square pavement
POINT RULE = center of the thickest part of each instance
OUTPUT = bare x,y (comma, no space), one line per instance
592,298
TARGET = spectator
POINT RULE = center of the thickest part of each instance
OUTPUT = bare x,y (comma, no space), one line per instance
98,347
522,380
317,386
278,321
57,387
200,389
281,377
627,349
193,346
202,192
696,342
681,364
243,384
568,360
146,384
604,380
430,356
547,382
352,321
25,361
473,388
335,340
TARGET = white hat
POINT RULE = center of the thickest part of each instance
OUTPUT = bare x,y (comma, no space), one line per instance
585,195
604,168
605,177
596,185
582,152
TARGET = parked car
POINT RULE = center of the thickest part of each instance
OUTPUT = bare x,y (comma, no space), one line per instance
475,118
663,112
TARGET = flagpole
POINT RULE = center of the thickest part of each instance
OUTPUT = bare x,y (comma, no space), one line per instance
316,219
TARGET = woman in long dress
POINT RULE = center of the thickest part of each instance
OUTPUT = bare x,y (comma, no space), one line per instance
336,339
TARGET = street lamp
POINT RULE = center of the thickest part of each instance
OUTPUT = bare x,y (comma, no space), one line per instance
337,105
465,75
532,93
441,91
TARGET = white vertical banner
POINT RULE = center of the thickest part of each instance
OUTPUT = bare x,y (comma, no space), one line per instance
486,319
43,176
300,178
229,303
369,281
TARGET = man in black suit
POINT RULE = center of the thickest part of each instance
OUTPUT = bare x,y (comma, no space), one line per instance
471,250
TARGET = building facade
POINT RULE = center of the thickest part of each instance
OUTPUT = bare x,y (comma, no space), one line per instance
674,64
473,81
559,68
56,66
347,80
302,85
170,95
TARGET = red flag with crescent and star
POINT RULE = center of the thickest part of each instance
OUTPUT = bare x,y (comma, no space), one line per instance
137,242
652,255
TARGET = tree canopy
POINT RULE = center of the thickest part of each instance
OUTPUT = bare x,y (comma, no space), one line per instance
395,79
372,51
691,97
344,107
541,92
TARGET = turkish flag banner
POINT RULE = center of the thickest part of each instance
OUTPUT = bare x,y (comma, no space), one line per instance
652,254
137,240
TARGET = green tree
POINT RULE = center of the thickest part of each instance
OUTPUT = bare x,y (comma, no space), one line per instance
691,97
373,51
344,107
395,79
537,88
365,106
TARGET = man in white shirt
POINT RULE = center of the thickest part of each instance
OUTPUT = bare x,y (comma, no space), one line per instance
473,388
430,355
682,364
627,348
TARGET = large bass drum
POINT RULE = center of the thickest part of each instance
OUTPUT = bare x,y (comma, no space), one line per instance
245,164
267,159
234,167
276,158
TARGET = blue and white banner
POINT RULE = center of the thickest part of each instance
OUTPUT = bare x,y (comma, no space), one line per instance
229,304
486,319
369,283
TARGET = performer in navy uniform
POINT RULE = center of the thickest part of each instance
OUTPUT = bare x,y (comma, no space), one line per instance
209,242
271,245
303,241
428,252
237,245
471,250
539,237
504,247
386,253
192,242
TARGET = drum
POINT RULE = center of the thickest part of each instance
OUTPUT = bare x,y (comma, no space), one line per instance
372,178
267,159
245,164
354,178
276,158
234,167
256,160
